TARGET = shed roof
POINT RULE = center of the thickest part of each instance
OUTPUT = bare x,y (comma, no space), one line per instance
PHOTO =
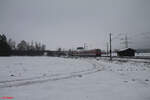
126,49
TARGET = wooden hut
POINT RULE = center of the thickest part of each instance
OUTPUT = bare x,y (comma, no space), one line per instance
126,52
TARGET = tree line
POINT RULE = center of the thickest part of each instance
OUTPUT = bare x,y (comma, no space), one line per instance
24,45
10,47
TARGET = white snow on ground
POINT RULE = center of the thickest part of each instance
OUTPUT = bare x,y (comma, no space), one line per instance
142,54
136,54
33,67
52,78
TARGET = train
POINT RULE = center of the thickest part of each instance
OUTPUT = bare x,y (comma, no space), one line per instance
87,53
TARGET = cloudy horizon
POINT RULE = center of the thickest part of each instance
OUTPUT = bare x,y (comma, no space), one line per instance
71,23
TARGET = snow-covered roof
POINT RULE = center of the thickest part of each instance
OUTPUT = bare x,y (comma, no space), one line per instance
126,49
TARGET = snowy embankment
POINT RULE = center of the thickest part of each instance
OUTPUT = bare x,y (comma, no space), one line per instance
52,78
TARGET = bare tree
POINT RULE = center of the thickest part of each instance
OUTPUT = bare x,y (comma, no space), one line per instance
43,47
12,44
22,45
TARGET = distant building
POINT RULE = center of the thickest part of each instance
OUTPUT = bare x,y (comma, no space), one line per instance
126,52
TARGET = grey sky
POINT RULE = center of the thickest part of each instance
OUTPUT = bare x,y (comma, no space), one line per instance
70,23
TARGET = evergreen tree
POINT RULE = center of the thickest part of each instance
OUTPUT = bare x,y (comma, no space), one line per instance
5,49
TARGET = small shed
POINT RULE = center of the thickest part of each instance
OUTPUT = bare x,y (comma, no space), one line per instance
126,52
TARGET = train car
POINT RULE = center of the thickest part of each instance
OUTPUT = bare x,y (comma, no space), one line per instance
87,53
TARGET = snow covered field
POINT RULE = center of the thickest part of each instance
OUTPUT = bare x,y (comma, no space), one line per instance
52,78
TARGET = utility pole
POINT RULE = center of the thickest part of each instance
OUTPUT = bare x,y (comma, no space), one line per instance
126,41
110,47
85,46
107,48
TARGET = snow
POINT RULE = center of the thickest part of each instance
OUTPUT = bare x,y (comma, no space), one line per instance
136,54
142,54
53,78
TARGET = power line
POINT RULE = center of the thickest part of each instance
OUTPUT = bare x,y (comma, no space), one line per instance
126,41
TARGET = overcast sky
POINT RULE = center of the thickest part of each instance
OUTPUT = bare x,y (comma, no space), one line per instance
71,23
